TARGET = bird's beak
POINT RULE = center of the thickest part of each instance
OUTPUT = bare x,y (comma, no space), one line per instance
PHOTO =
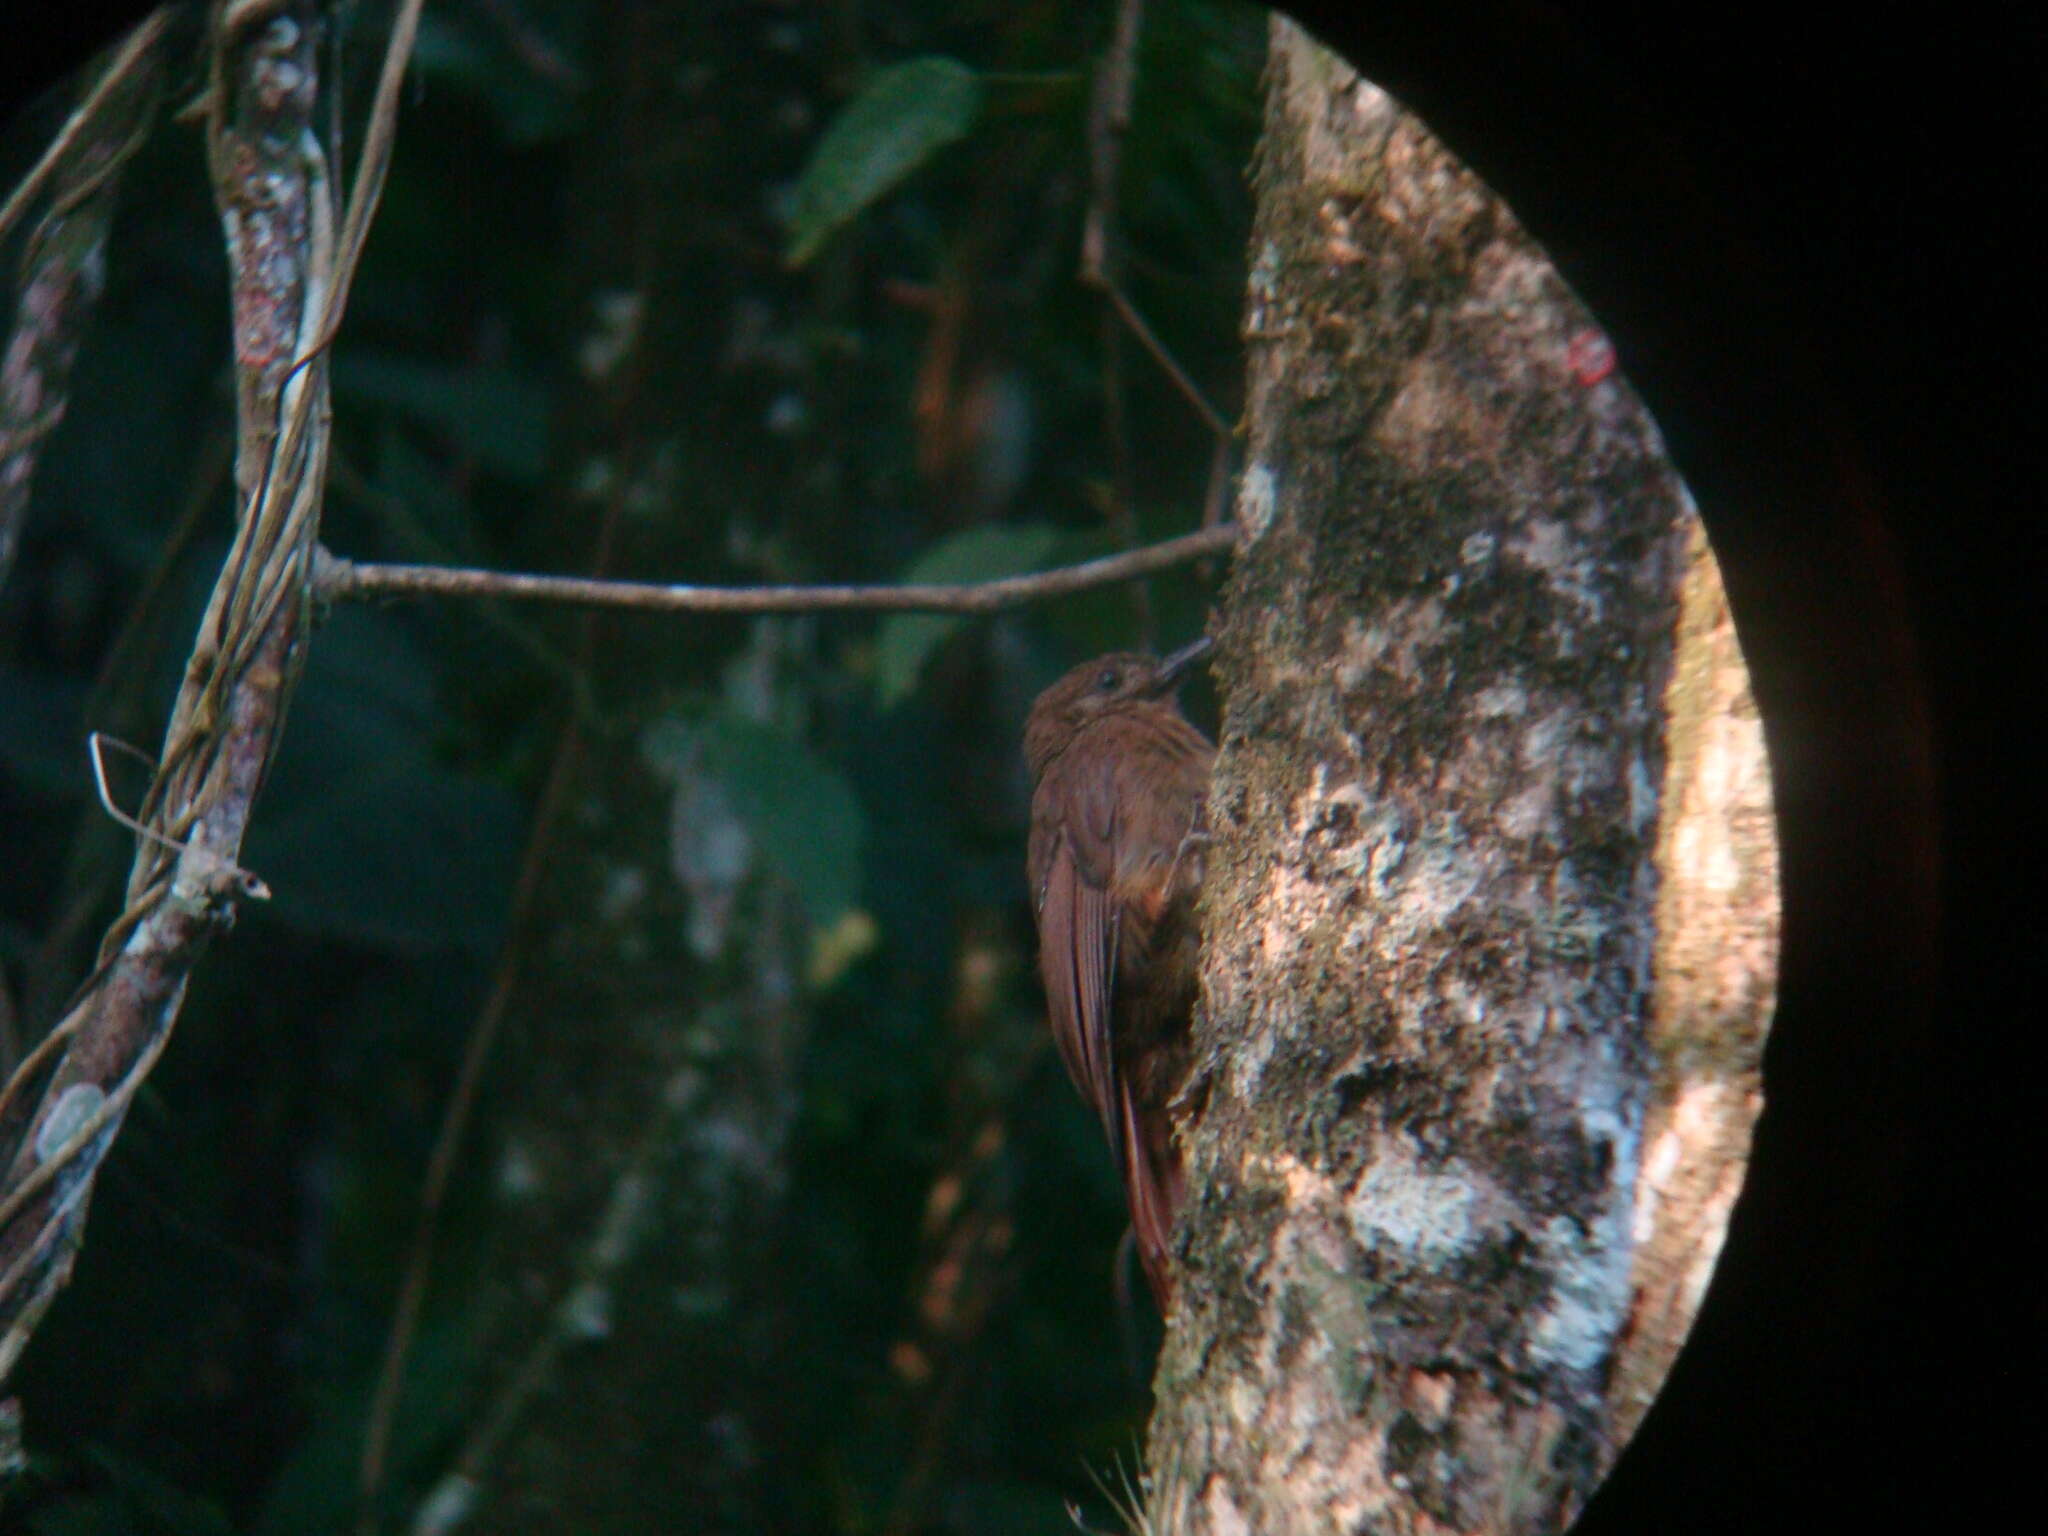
1176,666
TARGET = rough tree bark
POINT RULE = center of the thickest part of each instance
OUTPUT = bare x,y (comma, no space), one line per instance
1490,923
68,1098
64,260
639,1162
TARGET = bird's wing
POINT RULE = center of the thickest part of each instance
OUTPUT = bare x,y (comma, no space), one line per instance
1077,961
1077,927
1092,899
1073,834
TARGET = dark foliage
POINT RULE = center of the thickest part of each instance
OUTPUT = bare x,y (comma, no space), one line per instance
576,326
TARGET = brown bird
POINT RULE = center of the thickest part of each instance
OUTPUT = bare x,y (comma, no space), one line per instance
1117,835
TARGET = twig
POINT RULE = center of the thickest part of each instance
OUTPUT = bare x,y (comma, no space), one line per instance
116,702
335,578
130,57
1102,267
454,1492
454,1123
86,1072
95,744
1101,254
398,517
63,267
1123,492
535,51
1109,118
1190,391
367,190
1219,484
289,282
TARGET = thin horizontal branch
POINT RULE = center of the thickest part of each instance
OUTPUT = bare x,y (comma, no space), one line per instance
338,578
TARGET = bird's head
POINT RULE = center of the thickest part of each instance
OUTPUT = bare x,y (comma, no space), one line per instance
1118,682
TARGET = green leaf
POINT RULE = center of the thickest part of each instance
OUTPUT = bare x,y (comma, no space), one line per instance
979,554
800,809
900,119
497,414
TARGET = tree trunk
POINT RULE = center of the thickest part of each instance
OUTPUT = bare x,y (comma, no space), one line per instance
640,1161
1475,1083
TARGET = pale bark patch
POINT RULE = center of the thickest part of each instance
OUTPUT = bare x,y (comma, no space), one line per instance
1436,1033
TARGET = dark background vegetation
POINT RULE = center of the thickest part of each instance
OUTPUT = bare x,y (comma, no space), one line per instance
932,380
1872,178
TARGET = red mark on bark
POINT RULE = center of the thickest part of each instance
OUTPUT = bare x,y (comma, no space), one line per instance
1590,357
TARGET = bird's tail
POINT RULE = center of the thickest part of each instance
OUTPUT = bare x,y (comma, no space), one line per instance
1152,1186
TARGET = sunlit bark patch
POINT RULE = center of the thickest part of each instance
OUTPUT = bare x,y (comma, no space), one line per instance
1490,926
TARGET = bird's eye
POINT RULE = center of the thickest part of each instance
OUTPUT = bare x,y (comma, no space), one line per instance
1106,680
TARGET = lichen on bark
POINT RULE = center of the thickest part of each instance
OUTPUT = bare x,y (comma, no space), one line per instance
1431,921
